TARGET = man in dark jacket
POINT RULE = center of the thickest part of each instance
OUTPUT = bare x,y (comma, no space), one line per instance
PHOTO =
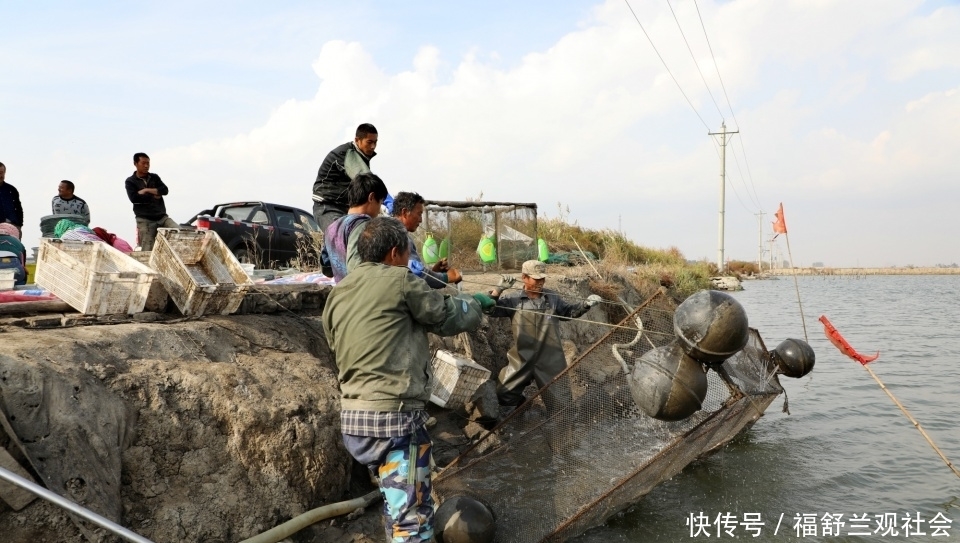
146,191
337,170
537,353
11,210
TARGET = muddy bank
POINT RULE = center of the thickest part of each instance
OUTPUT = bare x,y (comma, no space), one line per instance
208,430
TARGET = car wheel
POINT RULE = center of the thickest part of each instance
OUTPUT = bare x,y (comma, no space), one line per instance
243,256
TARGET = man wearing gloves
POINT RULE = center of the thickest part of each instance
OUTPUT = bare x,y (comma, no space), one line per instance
537,352
376,322
408,208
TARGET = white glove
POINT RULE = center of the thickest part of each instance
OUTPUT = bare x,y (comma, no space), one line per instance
506,281
593,300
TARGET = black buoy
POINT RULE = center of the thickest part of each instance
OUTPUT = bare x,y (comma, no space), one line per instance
462,519
794,357
666,384
711,326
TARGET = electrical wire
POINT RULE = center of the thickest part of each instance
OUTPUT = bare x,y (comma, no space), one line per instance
694,57
655,50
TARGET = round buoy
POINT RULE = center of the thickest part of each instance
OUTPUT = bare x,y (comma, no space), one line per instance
794,357
711,326
462,519
667,384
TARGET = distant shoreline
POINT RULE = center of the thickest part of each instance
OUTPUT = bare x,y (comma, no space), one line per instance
864,271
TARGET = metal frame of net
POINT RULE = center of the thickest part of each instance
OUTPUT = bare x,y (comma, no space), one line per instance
580,450
512,225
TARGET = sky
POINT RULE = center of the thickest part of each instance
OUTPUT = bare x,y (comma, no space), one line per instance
847,112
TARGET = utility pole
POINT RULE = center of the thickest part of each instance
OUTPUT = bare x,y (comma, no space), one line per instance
723,186
760,242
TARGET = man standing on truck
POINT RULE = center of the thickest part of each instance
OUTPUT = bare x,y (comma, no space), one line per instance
146,191
340,167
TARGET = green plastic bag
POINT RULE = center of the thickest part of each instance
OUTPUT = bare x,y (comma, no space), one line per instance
444,248
430,250
487,250
543,252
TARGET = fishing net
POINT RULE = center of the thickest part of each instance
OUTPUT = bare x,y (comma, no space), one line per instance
580,450
510,228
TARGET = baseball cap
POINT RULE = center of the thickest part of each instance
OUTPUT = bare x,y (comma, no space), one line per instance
534,269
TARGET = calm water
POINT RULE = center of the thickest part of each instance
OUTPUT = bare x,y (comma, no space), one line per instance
846,448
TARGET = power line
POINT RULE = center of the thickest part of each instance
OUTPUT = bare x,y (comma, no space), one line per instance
726,97
697,113
695,63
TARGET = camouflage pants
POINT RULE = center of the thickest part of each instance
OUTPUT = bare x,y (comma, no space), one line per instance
402,466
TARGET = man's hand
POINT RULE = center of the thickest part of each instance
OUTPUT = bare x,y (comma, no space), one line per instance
593,300
453,276
506,281
486,303
441,266
148,191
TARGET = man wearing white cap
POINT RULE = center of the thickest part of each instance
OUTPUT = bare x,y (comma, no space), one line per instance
537,352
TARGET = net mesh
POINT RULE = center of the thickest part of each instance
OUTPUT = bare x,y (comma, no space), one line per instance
513,228
552,470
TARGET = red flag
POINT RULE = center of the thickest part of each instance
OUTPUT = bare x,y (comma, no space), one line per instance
779,225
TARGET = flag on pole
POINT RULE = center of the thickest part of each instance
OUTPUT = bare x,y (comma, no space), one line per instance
779,225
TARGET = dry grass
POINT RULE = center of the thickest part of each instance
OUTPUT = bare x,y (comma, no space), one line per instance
648,269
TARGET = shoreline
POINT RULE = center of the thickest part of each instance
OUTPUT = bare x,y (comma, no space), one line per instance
863,271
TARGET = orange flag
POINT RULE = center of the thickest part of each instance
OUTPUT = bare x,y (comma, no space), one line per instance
779,225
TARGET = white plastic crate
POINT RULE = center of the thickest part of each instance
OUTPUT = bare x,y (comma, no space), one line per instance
157,297
201,275
455,379
93,277
7,279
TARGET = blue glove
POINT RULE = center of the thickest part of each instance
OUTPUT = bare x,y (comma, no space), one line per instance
486,303
388,203
416,267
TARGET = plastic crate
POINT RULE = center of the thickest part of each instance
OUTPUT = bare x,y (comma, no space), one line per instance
157,297
201,275
93,277
7,279
455,379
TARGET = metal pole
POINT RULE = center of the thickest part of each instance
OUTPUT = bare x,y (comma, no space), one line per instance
723,184
79,510
760,241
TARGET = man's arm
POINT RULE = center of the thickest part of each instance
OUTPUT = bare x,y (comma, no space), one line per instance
354,164
17,210
133,193
162,189
506,307
567,310
427,306
85,210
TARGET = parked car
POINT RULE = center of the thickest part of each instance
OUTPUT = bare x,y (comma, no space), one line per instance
263,234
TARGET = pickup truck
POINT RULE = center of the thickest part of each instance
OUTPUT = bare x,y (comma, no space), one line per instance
263,234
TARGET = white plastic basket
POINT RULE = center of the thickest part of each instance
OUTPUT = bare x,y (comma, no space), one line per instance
157,297
7,280
201,275
455,379
93,277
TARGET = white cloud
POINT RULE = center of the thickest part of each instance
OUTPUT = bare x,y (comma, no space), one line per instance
837,102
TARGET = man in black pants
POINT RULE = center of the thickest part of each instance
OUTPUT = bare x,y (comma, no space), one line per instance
146,191
341,166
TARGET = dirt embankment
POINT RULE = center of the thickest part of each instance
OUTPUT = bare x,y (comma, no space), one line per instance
213,430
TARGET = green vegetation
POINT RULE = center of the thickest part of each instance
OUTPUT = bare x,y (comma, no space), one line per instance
647,268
